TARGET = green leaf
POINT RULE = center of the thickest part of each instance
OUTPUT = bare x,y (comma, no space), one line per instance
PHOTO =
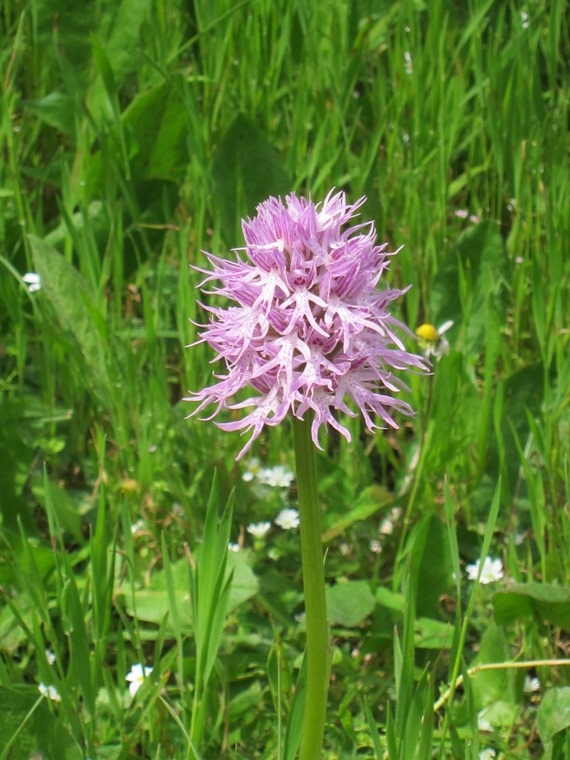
55,109
553,716
16,455
67,509
523,394
66,42
28,727
369,501
540,600
349,603
432,634
493,685
154,127
151,603
246,170
74,311
469,285
392,600
430,564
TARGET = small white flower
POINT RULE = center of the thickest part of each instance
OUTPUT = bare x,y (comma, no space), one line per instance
386,527
50,656
136,676
234,547
252,470
482,723
531,685
276,477
375,546
50,692
492,571
487,754
408,63
258,530
431,339
461,213
287,519
136,526
33,281
524,20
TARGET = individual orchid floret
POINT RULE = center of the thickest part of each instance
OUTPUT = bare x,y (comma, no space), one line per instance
310,330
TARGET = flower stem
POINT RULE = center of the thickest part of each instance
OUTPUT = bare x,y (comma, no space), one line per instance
317,648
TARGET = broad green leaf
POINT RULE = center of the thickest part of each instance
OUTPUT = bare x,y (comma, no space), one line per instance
62,29
523,395
67,507
390,599
492,685
432,634
94,215
21,556
154,127
155,124
73,309
369,501
16,456
55,109
13,634
540,600
28,727
553,716
151,603
430,564
245,170
349,603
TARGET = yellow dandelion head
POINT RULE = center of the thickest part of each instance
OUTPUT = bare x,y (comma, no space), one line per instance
428,333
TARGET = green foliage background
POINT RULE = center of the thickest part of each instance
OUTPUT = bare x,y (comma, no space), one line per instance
135,135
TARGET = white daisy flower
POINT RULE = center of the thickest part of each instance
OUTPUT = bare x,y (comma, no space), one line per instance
276,477
137,526
431,340
136,676
287,519
482,723
50,692
258,530
531,685
491,571
33,281
253,468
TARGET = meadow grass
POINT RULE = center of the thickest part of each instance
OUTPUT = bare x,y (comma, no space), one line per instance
136,135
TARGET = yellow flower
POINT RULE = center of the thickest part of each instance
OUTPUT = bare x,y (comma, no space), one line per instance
431,340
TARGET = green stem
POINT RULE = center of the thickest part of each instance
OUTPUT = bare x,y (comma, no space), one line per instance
317,649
